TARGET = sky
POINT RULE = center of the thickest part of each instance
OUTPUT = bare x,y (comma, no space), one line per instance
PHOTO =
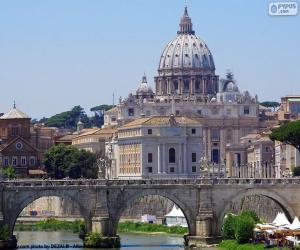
55,54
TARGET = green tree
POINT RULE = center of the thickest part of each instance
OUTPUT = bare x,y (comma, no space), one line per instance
67,161
228,227
69,119
98,118
103,107
270,104
9,172
288,133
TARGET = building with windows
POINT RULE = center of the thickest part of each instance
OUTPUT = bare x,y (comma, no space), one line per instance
16,149
254,156
93,140
159,146
187,85
21,144
289,108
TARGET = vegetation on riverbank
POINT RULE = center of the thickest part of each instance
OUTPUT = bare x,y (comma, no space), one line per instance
233,245
139,227
52,224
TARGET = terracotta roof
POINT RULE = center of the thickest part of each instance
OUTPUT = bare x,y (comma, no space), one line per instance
112,110
160,120
14,113
101,132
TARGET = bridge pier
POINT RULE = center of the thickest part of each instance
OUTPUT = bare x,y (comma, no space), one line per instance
204,235
101,223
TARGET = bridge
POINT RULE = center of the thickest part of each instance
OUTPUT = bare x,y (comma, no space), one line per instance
101,203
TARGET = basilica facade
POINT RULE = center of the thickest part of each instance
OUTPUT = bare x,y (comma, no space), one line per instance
187,85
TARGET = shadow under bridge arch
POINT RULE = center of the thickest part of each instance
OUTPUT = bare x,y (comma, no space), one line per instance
136,195
25,198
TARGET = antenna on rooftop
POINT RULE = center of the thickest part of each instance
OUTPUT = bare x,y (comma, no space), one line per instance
113,99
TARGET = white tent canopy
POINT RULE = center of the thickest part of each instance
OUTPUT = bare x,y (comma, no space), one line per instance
175,213
295,225
281,220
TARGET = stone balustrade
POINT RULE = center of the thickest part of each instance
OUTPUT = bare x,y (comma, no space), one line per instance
141,182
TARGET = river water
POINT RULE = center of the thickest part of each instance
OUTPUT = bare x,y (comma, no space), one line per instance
55,240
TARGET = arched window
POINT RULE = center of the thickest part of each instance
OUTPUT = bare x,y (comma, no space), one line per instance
172,155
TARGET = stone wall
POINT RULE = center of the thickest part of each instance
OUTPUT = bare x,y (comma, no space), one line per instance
265,208
51,206
152,204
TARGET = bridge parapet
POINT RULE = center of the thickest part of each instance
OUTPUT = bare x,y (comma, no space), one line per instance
147,182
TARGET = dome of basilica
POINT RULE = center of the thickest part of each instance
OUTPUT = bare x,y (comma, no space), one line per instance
144,89
186,50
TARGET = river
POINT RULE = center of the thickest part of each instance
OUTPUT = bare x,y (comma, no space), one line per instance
31,240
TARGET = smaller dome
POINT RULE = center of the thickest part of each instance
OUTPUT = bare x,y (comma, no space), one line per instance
231,87
144,89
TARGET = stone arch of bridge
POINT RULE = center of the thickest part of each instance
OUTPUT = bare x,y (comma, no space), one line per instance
188,213
281,201
28,197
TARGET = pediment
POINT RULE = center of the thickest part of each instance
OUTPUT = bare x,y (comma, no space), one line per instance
19,146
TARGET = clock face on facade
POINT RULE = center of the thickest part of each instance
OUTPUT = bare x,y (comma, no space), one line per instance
19,145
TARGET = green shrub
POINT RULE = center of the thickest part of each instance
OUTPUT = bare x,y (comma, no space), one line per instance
92,239
244,229
9,172
229,226
250,213
4,233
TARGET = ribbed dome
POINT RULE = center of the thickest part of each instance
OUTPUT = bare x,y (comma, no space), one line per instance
186,50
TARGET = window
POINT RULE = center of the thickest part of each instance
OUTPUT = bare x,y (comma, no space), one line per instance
186,85
172,155
113,119
148,113
215,135
149,131
194,169
23,160
3,131
246,110
177,112
194,157
172,169
14,131
130,112
14,161
150,169
267,149
150,159
6,161
32,161
193,131
199,112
